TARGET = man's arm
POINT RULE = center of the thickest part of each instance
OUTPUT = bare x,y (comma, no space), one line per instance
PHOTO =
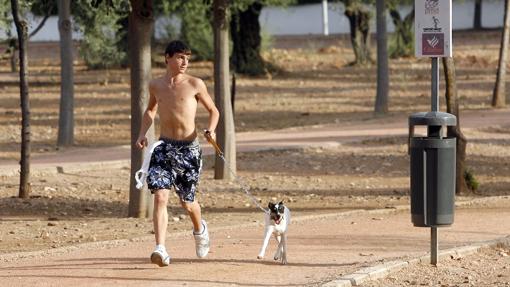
206,100
148,118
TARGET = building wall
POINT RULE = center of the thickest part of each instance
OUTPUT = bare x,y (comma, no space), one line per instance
307,19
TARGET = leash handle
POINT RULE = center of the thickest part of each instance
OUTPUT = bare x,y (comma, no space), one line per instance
210,139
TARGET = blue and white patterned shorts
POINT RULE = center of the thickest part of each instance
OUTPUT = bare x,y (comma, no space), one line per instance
176,163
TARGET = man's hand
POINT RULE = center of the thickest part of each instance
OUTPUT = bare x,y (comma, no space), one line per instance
210,135
211,138
141,142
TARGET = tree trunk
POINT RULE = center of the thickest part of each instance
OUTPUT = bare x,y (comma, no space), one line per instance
498,96
141,22
226,131
452,107
477,22
245,33
359,22
381,100
22,30
66,118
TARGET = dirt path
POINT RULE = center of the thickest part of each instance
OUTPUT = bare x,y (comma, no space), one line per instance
320,250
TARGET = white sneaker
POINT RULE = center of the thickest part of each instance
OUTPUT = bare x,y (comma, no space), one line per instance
202,241
160,257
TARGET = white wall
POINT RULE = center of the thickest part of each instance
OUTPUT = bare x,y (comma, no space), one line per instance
307,19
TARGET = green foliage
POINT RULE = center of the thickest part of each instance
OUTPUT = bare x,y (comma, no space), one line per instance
196,28
393,4
5,15
402,41
196,25
197,18
43,7
101,31
399,47
471,181
6,19
242,5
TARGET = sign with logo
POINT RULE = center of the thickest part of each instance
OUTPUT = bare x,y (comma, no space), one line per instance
433,28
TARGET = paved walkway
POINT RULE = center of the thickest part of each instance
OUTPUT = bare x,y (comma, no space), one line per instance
320,250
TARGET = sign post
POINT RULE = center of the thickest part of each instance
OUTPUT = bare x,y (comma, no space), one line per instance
433,39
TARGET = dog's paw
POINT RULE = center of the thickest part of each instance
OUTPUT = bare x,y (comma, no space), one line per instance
284,258
277,254
260,257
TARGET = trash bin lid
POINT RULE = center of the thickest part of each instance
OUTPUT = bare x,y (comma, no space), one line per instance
432,119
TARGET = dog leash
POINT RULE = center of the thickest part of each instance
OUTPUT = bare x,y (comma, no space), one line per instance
243,185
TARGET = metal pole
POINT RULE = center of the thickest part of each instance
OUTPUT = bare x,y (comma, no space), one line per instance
433,246
325,28
434,131
435,85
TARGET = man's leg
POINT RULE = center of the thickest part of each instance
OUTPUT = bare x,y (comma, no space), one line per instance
160,219
195,213
160,215
200,231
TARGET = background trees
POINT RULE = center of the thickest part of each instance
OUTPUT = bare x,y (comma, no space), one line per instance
359,14
225,130
245,33
245,45
499,95
43,8
66,113
381,100
22,31
100,24
402,40
141,23
246,39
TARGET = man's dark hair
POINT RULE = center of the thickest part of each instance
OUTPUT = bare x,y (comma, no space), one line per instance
177,46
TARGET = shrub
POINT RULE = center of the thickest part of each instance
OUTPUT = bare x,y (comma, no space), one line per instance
471,181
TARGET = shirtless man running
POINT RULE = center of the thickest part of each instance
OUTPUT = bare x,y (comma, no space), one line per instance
177,161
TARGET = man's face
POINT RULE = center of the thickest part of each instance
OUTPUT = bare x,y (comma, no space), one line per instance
178,62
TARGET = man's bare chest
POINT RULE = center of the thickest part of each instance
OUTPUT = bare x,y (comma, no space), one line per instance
168,95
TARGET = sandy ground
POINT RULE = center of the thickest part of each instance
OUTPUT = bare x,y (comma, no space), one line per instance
87,206
488,268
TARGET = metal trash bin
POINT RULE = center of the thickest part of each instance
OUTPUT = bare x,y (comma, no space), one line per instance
432,170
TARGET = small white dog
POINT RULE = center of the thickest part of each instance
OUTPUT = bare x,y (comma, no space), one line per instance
277,223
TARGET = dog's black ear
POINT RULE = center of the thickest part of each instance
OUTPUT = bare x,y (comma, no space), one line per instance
281,203
270,205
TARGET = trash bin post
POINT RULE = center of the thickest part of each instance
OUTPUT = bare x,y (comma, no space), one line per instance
432,156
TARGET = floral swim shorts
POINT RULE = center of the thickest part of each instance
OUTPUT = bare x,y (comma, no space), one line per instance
178,164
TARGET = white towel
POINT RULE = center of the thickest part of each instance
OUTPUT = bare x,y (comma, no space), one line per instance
141,174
